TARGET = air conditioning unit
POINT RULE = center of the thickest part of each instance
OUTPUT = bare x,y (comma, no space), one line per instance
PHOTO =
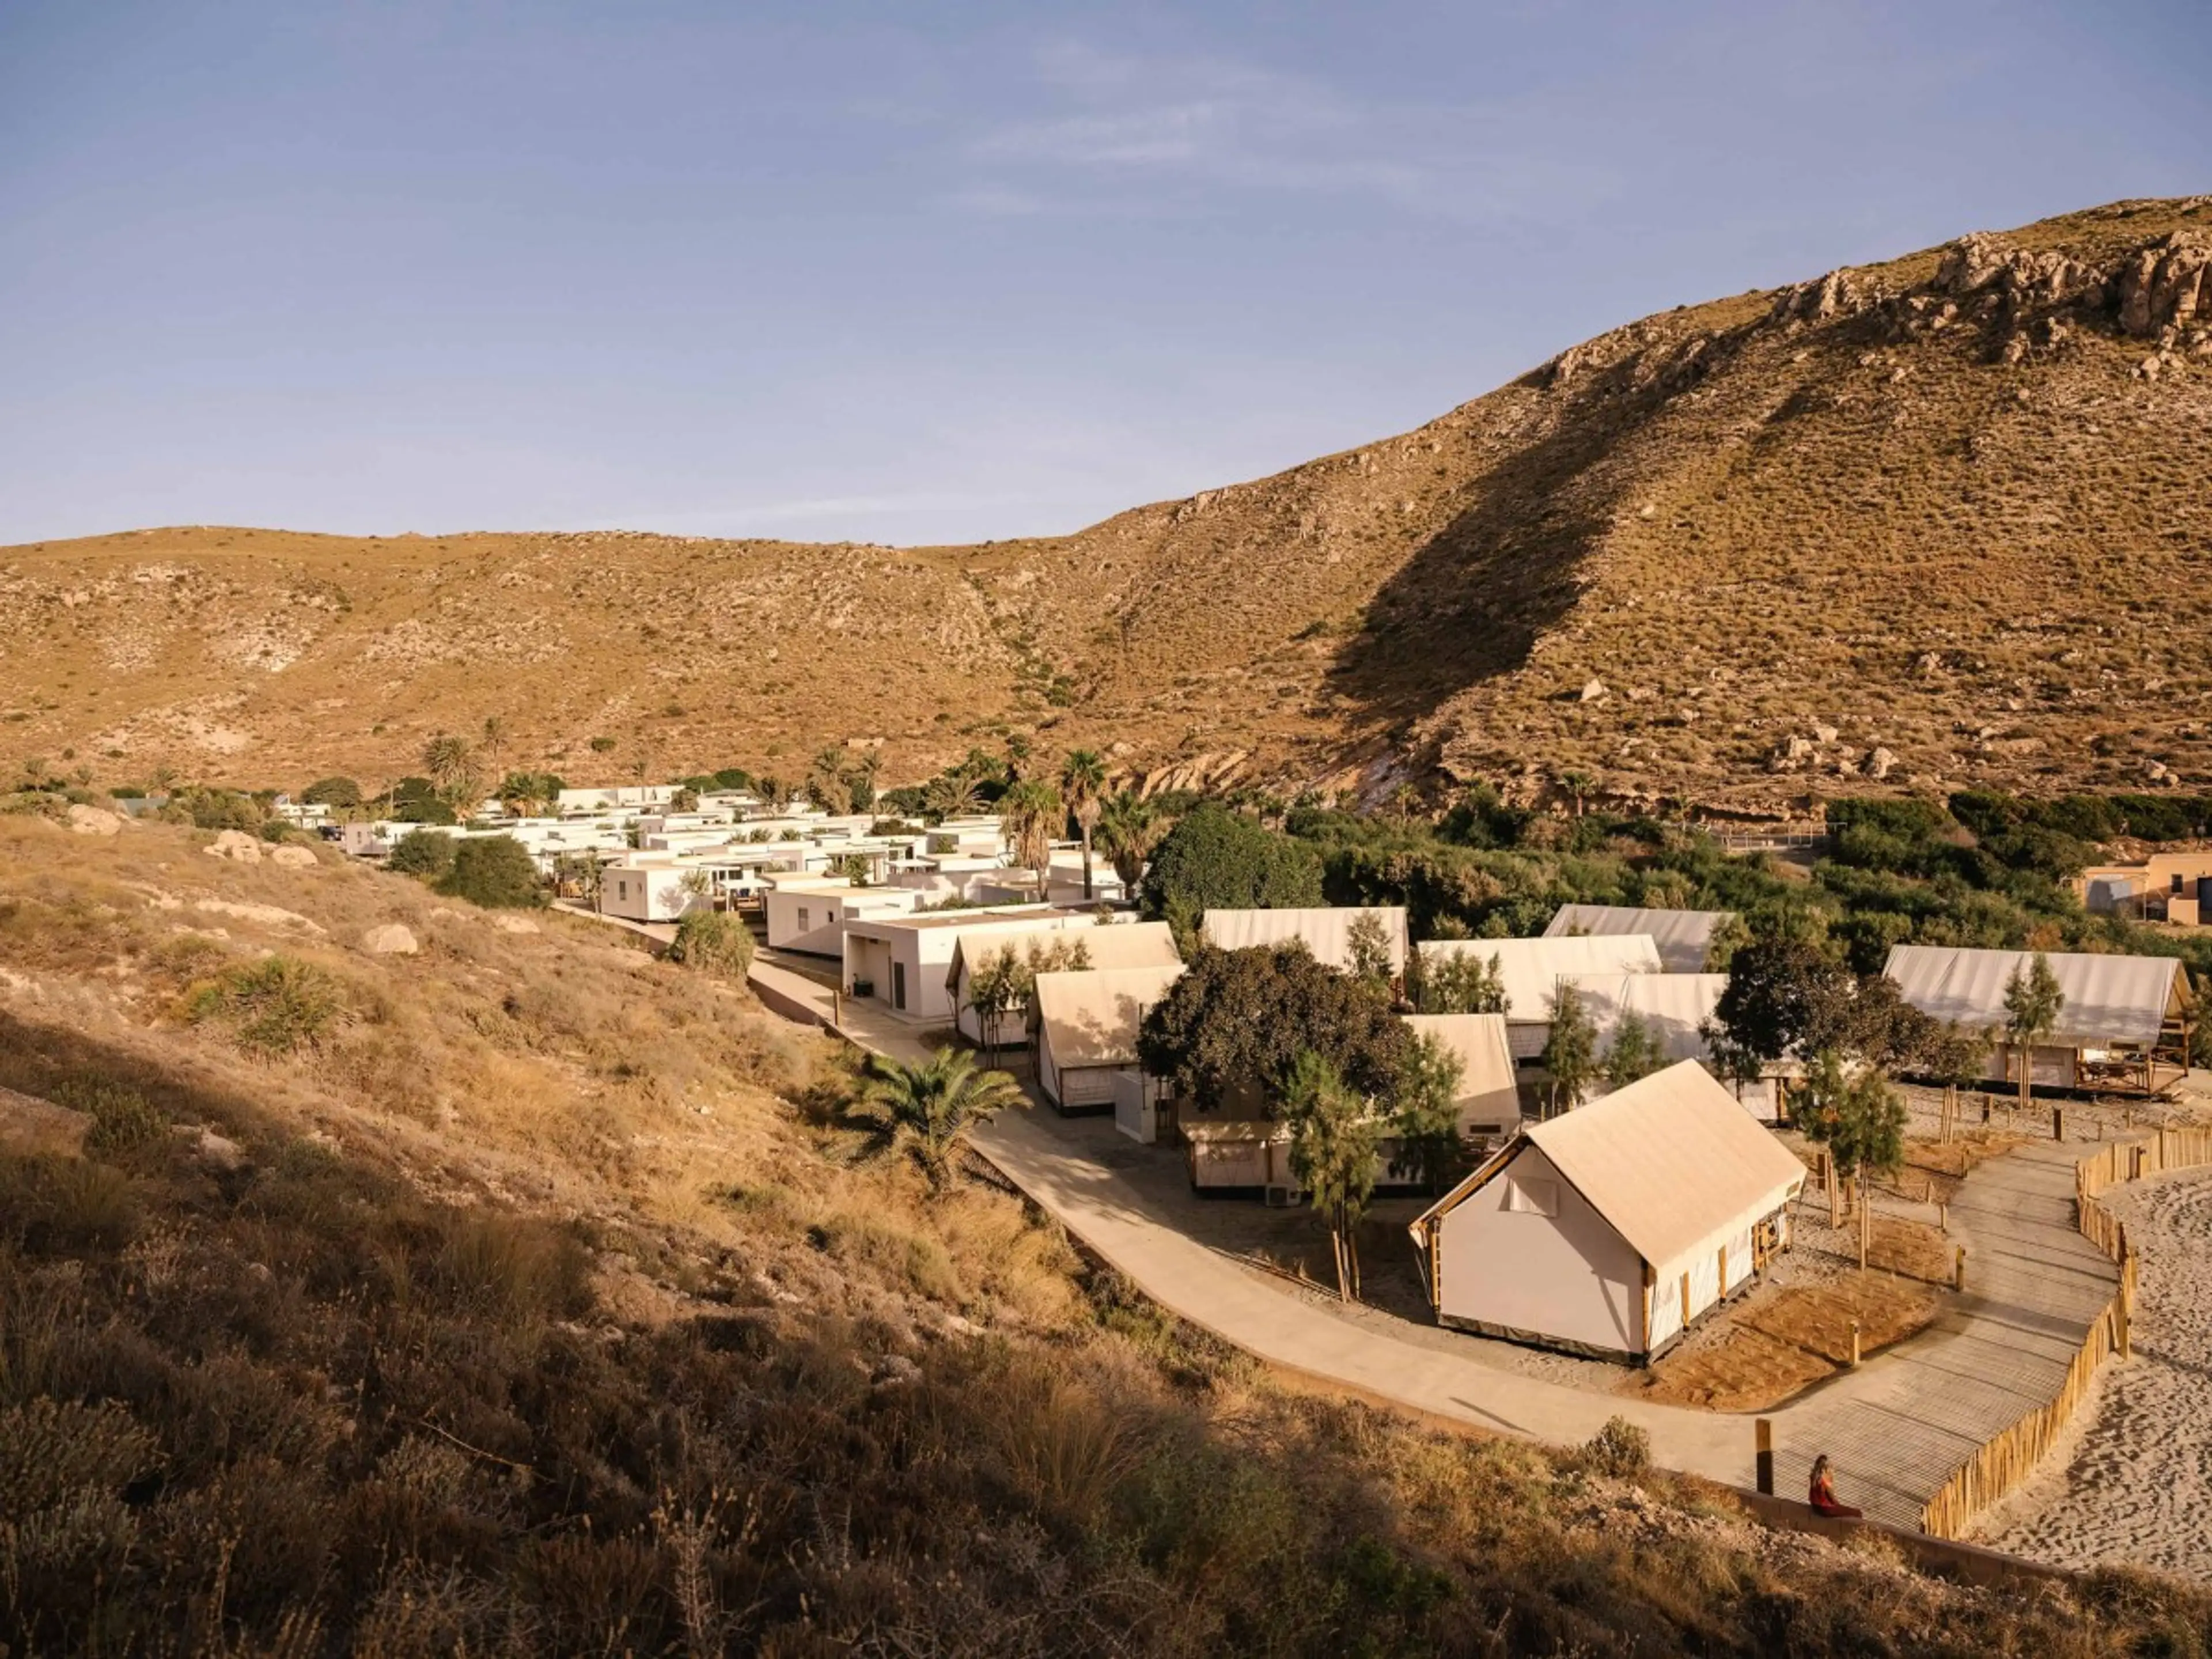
1282,1198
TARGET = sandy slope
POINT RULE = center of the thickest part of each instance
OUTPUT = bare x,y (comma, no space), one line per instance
2133,1481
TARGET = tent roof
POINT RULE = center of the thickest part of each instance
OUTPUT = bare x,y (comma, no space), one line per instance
1089,1017
1671,1163
1672,1004
1682,936
1488,1090
1105,945
2109,1000
1325,931
1532,967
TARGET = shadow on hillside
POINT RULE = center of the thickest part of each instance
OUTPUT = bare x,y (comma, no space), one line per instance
1470,604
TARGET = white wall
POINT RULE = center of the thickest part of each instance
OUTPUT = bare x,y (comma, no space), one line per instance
1565,1277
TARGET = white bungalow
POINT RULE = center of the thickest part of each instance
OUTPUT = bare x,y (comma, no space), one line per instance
642,889
1610,1230
1327,931
1086,1030
1531,969
1685,938
902,962
2124,1025
807,914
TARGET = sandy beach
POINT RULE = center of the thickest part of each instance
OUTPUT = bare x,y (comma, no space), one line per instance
2132,1480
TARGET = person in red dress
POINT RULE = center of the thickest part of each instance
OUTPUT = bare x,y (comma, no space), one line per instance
1823,1498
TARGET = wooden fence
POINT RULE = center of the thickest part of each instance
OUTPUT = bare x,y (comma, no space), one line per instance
2002,1463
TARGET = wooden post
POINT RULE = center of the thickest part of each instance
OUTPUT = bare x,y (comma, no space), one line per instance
1959,1269
1942,1217
2058,1121
1855,1344
1763,1430
1723,1272
837,1008
1685,1302
1866,1220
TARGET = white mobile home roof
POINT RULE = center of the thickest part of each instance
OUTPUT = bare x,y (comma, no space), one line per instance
1327,931
1673,1005
1682,936
1532,967
1090,1017
1488,1091
1670,1163
2109,1000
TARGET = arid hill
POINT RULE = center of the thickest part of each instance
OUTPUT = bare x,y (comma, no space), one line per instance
1929,522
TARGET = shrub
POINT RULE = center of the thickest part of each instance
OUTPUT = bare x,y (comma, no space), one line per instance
1619,1448
602,745
278,1005
714,942
215,809
422,852
122,1119
343,793
496,872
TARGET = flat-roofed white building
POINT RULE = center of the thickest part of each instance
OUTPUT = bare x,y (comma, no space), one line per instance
1531,969
1325,931
1684,937
903,962
808,913
1611,1230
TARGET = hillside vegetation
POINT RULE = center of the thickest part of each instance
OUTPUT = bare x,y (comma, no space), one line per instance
525,1294
1939,521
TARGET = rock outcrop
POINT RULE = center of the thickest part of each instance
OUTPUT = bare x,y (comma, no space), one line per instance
235,845
392,939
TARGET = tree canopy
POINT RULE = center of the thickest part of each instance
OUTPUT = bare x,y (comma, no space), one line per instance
1214,859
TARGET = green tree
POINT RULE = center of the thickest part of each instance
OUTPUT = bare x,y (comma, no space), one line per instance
1334,1135
714,942
496,872
1782,987
1633,1054
1215,860
453,767
341,795
1129,828
1237,1020
928,1111
495,739
1425,1118
1855,1112
1083,783
1570,1051
2033,1003
1367,943
825,780
1458,982
425,853
951,794
1032,812
415,800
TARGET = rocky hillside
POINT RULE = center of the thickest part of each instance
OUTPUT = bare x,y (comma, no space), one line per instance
1919,524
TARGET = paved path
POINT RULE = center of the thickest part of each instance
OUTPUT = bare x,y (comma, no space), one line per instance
1895,1428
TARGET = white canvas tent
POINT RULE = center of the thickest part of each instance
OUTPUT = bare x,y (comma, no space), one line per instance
1683,936
2123,1024
1327,931
1531,969
1489,1092
1611,1229
1104,945
1673,1007
1086,1028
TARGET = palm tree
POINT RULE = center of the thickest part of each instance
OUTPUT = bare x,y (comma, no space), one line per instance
1129,827
951,794
494,735
1032,810
1083,781
1581,786
928,1111
452,765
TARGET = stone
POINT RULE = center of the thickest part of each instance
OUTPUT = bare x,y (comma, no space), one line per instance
1823,732
236,846
94,821
293,858
1593,691
391,939
220,1151
514,924
1879,762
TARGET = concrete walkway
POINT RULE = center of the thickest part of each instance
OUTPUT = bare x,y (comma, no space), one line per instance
1895,1428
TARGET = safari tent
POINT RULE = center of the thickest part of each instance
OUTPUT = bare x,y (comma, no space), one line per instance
1489,1091
1683,936
1086,1029
2124,1025
1104,944
1327,931
1611,1230
1673,1007
1531,969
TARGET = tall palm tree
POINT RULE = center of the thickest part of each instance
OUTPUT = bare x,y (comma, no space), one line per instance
495,736
452,765
1129,827
1032,810
928,1111
951,794
1083,782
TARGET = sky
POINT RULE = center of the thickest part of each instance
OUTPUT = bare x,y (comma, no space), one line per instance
908,273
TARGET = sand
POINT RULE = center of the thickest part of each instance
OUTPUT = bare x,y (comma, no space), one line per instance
2131,1482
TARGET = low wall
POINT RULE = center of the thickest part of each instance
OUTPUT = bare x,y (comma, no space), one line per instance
2002,1463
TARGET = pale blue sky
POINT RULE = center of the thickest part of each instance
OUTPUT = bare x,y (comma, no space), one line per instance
904,273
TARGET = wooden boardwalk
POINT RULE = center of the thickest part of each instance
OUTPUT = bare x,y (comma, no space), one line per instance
1895,1428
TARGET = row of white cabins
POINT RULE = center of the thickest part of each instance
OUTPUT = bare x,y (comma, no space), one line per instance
1611,1230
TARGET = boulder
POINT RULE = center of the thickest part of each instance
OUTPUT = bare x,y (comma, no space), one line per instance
514,924
1879,762
1593,691
1823,732
294,857
236,846
92,821
389,940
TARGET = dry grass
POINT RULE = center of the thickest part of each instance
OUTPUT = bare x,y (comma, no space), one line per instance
468,1330
1786,1339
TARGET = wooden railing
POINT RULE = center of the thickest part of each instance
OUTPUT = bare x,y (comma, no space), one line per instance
2004,1462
